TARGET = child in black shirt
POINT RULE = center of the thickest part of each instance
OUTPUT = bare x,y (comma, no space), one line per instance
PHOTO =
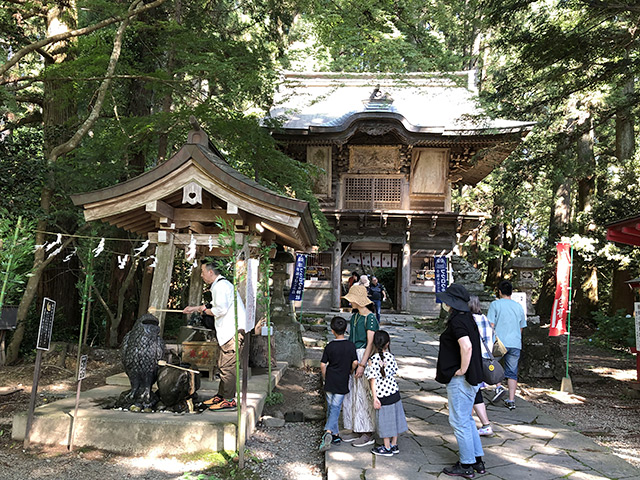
339,359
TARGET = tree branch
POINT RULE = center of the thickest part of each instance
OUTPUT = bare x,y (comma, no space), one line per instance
102,91
600,4
76,33
35,117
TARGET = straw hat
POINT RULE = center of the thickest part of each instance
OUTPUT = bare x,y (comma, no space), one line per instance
358,295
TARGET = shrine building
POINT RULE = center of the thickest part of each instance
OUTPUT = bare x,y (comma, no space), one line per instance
389,149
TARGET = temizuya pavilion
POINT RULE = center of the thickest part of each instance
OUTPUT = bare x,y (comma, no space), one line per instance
182,198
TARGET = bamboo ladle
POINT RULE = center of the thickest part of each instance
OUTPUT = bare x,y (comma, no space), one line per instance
155,309
163,363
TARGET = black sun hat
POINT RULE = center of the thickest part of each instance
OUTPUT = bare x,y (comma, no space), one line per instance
456,296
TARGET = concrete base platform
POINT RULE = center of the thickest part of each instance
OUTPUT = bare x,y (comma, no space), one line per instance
137,433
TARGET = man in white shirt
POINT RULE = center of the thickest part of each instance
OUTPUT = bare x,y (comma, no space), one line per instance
222,309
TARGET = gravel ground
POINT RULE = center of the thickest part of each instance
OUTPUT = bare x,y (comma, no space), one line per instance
289,452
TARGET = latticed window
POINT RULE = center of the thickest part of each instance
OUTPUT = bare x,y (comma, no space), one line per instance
372,193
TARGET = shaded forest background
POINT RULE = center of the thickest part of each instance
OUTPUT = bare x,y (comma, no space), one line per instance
95,92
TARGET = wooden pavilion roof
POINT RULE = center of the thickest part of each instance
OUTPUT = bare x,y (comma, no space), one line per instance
191,191
625,231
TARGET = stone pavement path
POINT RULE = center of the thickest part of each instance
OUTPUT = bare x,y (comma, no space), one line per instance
528,444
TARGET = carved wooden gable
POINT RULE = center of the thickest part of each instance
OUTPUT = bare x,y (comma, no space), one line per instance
374,159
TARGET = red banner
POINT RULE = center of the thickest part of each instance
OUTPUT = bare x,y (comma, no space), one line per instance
561,302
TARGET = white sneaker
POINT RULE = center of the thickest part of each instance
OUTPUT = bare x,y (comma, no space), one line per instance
485,431
364,440
498,393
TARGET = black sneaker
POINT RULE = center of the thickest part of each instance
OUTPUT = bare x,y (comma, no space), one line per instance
336,440
394,449
382,450
479,467
459,471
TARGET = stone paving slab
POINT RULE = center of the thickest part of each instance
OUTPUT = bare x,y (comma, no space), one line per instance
527,445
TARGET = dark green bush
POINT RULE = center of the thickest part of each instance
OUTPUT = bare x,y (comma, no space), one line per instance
617,330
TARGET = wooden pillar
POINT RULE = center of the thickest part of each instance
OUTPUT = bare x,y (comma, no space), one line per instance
159,295
336,276
145,289
195,286
406,275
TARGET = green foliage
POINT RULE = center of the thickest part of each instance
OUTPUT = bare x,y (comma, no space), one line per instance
274,398
16,254
384,36
618,330
221,465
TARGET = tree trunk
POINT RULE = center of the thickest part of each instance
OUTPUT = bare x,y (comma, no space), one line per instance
621,294
57,16
496,244
58,110
585,273
167,100
560,217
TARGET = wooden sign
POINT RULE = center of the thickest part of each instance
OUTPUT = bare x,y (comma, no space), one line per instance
636,311
46,324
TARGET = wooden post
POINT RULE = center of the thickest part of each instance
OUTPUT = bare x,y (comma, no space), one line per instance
159,295
336,276
145,289
32,400
195,286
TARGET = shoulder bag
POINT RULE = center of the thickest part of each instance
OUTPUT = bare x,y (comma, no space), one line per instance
498,348
492,371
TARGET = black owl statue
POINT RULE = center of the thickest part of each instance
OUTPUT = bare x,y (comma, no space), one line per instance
141,349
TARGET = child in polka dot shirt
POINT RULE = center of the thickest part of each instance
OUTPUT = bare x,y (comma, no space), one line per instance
390,418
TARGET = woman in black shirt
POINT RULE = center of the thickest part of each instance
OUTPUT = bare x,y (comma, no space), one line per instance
460,368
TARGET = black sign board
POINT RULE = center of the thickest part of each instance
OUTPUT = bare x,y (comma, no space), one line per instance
82,371
9,318
46,324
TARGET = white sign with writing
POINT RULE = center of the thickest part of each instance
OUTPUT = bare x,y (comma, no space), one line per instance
521,298
82,371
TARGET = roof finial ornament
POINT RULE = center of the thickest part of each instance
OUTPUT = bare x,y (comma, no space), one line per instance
378,100
193,121
376,93
197,135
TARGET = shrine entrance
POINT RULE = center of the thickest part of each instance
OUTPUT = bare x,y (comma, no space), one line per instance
372,258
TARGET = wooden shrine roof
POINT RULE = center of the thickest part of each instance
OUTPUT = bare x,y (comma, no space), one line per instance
423,110
165,197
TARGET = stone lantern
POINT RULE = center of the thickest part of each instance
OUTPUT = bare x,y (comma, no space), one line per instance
289,344
524,280
542,356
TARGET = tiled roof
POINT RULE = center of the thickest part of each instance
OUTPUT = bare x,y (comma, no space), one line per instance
425,103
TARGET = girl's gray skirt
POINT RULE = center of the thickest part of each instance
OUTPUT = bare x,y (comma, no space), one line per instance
391,420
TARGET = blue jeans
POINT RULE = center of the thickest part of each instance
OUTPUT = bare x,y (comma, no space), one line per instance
461,397
378,304
511,360
334,405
